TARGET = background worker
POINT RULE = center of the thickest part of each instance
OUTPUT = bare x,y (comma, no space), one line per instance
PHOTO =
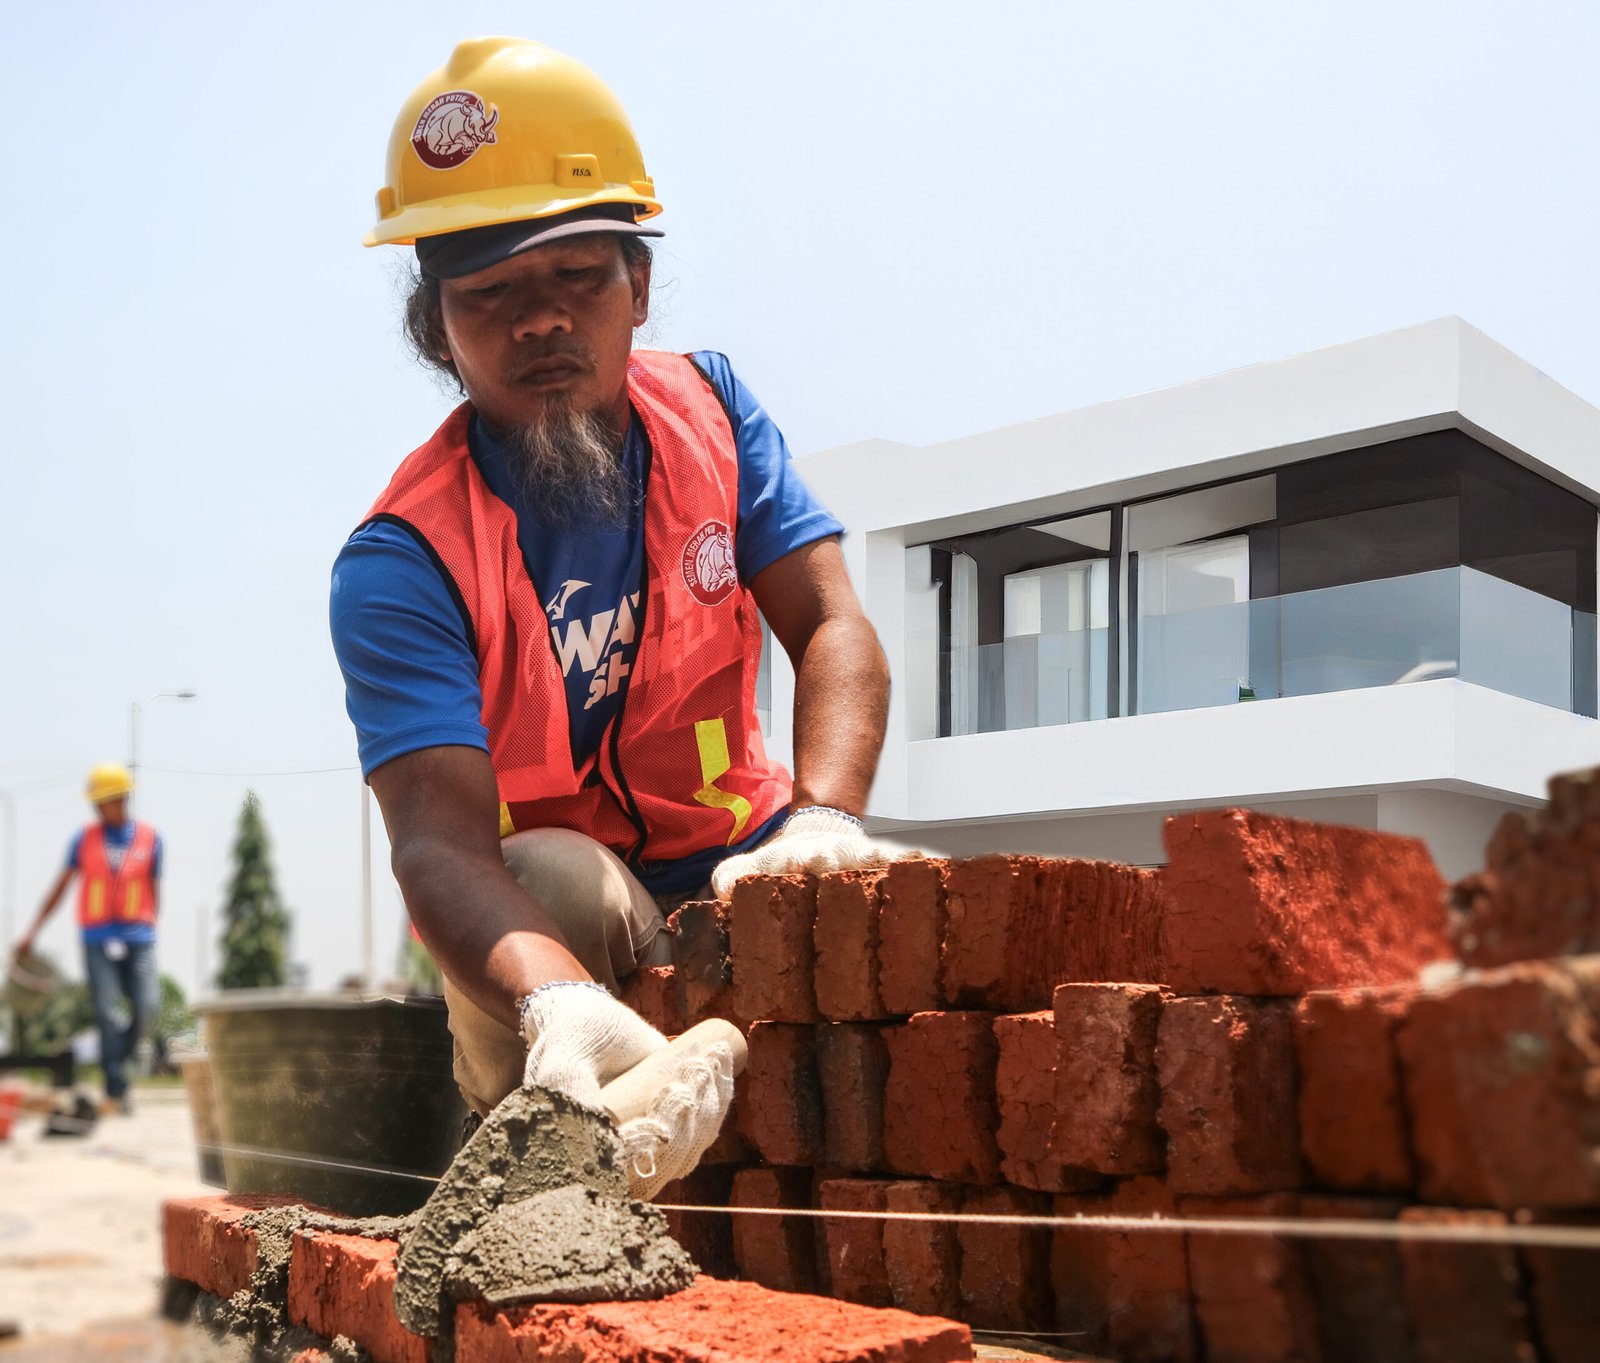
118,864
548,623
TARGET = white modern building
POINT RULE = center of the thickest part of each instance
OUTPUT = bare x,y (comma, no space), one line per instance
1358,586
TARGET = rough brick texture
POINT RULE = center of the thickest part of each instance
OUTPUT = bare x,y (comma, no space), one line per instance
939,1114
1107,1094
1005,1270
855,1245
853,1065
1540,893
710,1322
911,921
1123,1292
1561,1291
344,1285
203,1243
1228,1095
846,938
1352,1103
779,1252
1257,904
706,1236
922,1258
652,992
1017,926
770,938
1466,1301
1252,1293
779,1106
1503,1083
702,966
1361,1305
1025,1084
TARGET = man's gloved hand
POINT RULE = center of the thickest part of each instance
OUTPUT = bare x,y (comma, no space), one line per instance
580,1039
815,838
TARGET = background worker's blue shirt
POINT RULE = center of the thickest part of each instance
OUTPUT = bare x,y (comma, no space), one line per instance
411,678
119,837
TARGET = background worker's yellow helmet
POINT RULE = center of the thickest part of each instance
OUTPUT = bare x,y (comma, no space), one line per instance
506,131
109,781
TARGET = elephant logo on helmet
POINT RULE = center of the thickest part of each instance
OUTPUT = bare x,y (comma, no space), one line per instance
452,128
708,566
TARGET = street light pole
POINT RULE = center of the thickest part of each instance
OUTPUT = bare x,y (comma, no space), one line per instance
135,709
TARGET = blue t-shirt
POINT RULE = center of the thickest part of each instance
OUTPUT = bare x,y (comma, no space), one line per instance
119,837
411,677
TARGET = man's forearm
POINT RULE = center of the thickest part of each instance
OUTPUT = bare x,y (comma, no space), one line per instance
841,706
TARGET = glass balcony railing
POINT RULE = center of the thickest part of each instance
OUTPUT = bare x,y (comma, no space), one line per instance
1026,682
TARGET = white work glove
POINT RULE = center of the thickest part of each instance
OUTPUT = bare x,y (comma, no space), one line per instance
815,838
580,1039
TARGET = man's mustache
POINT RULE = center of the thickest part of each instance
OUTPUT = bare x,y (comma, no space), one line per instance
532,353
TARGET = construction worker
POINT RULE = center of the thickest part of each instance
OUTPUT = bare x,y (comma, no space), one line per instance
118,864
548,623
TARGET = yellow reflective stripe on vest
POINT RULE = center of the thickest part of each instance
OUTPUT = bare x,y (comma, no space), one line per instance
130,903
711,737
507,828
97,900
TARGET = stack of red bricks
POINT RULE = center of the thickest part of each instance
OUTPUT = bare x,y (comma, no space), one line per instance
1241,1033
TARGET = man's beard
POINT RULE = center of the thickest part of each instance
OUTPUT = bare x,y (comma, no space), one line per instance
567,467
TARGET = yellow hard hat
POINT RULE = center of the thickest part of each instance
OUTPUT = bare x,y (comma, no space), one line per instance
109,781
507,130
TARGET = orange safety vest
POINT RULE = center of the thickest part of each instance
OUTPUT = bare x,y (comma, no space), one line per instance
126,895
682,767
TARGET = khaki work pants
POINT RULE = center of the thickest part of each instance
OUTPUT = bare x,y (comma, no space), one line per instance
610,922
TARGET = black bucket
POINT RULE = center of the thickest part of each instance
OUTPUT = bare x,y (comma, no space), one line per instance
340,1100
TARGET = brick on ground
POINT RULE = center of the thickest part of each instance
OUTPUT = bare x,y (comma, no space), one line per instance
1123,1292
853,1066
1005,1270
1228,1095
857,1271
846,939
779,1252
1262,905
921,1258
773,949
1503,1084
1466,1301
1561,1290
344,1285
1107,1092
652,992
710,1322
702,966
706,1236
779,1106
1252,1293
939,1106
1361,1305
1026,1093
911,925
203,1243
1353,1129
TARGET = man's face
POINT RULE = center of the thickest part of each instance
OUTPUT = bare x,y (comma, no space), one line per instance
553,325
113,812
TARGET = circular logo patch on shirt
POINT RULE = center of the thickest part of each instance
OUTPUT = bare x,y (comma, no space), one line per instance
452,127
708,563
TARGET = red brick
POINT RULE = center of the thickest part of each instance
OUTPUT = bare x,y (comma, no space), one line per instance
911,925
773,949
652,992
710,1322
1263,905
777,1251
857,1271
780,1107
702,966
1005,1270
1561,1291
1352,1104
853,1064
922,1258
1466,1301
939,1114
1124,1291
1018,926
203,1243
846,938
1503,1085
1107,1093
344,1285
1361,1306
1026,1094
1228,1095
707,1237
731,1145
1252,1293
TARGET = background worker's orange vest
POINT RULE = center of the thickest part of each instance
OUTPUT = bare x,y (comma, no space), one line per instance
682,767
126,895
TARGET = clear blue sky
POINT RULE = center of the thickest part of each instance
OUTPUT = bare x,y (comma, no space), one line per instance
901,220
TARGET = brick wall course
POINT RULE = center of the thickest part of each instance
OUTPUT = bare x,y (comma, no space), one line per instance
1358,1284
846,938
1005,1270
922,1260
706,1236
702,964
856,1267
779,1252
344,1285
1026,1093
1561,1292
203,1243
1466,1301
1262,905
771,941
939,1103
1107,1091
911,927
779,1102
853,1067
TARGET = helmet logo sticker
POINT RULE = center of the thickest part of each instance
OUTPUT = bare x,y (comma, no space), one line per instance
452,127
708,563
